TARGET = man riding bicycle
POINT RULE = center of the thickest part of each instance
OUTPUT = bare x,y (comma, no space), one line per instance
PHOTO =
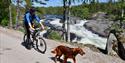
28,24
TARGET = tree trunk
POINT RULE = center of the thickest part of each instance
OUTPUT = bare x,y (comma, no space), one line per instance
66,4
10,15
122,14
68,21
121,20
64,20
17,17
121,49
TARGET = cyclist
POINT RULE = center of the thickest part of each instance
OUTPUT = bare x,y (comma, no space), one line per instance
29,17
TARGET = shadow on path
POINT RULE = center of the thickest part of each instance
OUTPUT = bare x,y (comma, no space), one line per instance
60,60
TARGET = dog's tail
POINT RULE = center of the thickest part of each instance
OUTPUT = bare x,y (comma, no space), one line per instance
53,51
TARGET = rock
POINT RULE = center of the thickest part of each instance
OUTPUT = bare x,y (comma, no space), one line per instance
74,20
99,24
99,27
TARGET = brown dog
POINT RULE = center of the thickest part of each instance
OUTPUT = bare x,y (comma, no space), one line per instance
67,52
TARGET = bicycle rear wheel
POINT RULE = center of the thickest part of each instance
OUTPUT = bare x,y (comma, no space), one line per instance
27,42
41,45
25,38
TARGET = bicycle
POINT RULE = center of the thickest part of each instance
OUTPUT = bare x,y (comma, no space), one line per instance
37,41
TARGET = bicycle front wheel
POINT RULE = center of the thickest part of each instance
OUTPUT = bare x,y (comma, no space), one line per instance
41,45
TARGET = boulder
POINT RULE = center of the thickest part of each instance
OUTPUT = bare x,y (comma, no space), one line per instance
99,24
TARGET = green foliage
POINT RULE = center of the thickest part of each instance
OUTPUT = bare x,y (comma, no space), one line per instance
86,10
4,22
54,35
116,27
80,12
13,14
84,13
22,30
4,10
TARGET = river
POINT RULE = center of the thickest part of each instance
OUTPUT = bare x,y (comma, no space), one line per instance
83,35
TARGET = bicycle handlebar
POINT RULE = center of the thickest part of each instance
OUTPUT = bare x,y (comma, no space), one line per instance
38,29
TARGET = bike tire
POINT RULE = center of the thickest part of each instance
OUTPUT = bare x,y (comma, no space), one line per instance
26,43
24,38
41,45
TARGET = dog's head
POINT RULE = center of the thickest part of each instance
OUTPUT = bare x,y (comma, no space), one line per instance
81,52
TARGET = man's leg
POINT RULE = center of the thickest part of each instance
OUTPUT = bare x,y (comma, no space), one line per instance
28,37
27,31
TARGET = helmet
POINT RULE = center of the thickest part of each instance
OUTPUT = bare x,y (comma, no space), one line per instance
32,9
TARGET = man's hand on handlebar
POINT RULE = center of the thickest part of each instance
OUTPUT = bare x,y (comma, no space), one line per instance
32,29
42,26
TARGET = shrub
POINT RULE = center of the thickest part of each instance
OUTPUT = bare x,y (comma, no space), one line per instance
4,22
54,35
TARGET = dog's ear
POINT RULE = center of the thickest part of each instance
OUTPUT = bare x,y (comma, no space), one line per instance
78,46
73,49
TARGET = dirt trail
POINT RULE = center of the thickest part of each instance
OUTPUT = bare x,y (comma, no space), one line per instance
11,51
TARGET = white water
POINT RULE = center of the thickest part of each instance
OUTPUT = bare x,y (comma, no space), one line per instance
87,37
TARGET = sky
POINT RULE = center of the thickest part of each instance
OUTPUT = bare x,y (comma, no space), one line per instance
52,3
59,3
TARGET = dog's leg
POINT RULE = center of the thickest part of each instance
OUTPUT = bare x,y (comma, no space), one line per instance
59,57
55,59
74,60
65,60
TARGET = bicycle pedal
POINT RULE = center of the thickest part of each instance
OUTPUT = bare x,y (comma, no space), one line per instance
28,47
23,43
33,46
40,37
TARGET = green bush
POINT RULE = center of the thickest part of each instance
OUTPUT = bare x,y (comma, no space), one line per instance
4,22
54,35
22,30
